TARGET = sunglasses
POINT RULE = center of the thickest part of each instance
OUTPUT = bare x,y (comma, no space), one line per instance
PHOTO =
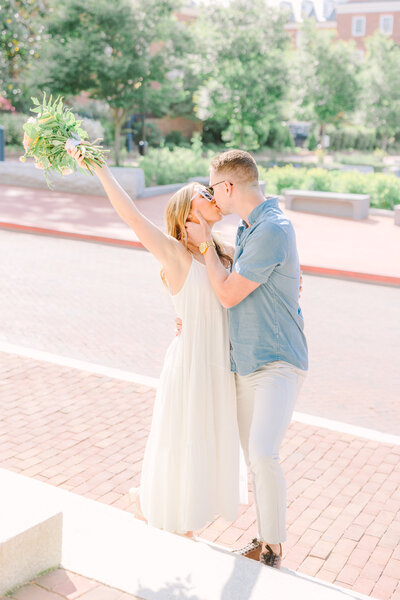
204,193
210,188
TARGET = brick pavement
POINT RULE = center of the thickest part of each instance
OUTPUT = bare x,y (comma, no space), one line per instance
107,305
61,584
86,433
368,246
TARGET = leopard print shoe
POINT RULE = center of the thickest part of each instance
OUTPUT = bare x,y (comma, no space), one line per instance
252,550
271,559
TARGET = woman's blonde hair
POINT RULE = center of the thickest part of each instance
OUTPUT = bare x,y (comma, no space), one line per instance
176,214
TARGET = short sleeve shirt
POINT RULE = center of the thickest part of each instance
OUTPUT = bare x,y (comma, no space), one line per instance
268,324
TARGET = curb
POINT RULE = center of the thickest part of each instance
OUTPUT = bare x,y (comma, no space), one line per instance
309,270
352,275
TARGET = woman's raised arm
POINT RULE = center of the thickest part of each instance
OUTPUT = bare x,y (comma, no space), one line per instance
162,246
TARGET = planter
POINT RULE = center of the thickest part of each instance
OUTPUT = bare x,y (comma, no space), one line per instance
27,175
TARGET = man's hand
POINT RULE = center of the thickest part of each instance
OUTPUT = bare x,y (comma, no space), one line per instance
178,326
198,232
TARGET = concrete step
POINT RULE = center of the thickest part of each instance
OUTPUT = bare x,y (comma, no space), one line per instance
30,538
109,545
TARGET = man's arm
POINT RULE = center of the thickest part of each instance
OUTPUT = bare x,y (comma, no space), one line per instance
230,288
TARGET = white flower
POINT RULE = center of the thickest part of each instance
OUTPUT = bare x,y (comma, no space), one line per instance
31,120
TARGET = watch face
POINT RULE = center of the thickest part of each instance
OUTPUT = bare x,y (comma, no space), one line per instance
203,247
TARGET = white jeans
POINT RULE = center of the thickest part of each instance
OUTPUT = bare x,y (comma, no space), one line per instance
265,401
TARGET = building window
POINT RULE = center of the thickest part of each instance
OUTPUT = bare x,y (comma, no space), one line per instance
386,24
358,26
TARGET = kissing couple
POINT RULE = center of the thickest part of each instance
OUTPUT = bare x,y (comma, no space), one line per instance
236,368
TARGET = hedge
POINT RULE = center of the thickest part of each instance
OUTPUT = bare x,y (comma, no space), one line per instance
383,189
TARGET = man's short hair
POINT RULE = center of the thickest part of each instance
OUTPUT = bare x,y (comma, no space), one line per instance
238,163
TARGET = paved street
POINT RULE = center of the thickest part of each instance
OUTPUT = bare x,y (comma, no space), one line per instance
86,433
107,305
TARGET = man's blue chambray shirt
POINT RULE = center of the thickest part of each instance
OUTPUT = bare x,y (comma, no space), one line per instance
268,324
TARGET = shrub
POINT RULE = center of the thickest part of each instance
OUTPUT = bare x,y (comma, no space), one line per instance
175,138
318,179
351,137
13,131
312,143
164,165
280,178
383,189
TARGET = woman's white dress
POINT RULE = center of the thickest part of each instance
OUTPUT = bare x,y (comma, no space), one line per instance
190,470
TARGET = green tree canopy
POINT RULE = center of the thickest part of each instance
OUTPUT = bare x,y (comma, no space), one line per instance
21,29
121,52
380,84
325,76
245,69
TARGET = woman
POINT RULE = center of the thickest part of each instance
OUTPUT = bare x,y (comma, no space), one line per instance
190,470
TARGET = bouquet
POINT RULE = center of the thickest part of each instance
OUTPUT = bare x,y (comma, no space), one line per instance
51,133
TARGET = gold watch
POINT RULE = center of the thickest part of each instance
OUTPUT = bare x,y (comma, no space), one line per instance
204,246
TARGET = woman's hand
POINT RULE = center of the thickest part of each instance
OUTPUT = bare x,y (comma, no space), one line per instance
200,232
79,155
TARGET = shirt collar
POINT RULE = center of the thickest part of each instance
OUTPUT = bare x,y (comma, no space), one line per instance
260,210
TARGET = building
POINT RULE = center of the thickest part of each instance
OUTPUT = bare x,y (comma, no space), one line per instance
357,20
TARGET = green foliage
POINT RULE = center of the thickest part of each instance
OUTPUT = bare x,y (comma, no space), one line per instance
279,137
312,142
383,189
164,165
21,27
356,158
175,138
352,137
380,82
325,76
13,124
245,70
281,178
107,49
48,134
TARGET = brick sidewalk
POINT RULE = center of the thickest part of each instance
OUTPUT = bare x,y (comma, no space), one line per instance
368,246
64,585
86,433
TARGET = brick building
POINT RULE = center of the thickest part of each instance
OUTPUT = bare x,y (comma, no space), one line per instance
357,20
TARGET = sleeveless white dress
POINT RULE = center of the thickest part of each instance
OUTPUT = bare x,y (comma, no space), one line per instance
190,470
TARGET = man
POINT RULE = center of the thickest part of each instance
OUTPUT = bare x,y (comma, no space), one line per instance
268,347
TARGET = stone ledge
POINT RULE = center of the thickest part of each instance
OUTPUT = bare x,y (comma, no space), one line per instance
354,206
112,547
30,541
26,175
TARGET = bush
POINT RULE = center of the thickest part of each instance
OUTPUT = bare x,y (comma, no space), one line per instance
355,158
351,137
279,137
13,131
281,178
164,165
312,142
383,189
175,138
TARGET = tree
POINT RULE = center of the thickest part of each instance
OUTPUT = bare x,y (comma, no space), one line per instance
325,76
116,51
380,84
245,68
20,39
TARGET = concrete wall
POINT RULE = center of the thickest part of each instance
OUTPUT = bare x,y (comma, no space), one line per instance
26,175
